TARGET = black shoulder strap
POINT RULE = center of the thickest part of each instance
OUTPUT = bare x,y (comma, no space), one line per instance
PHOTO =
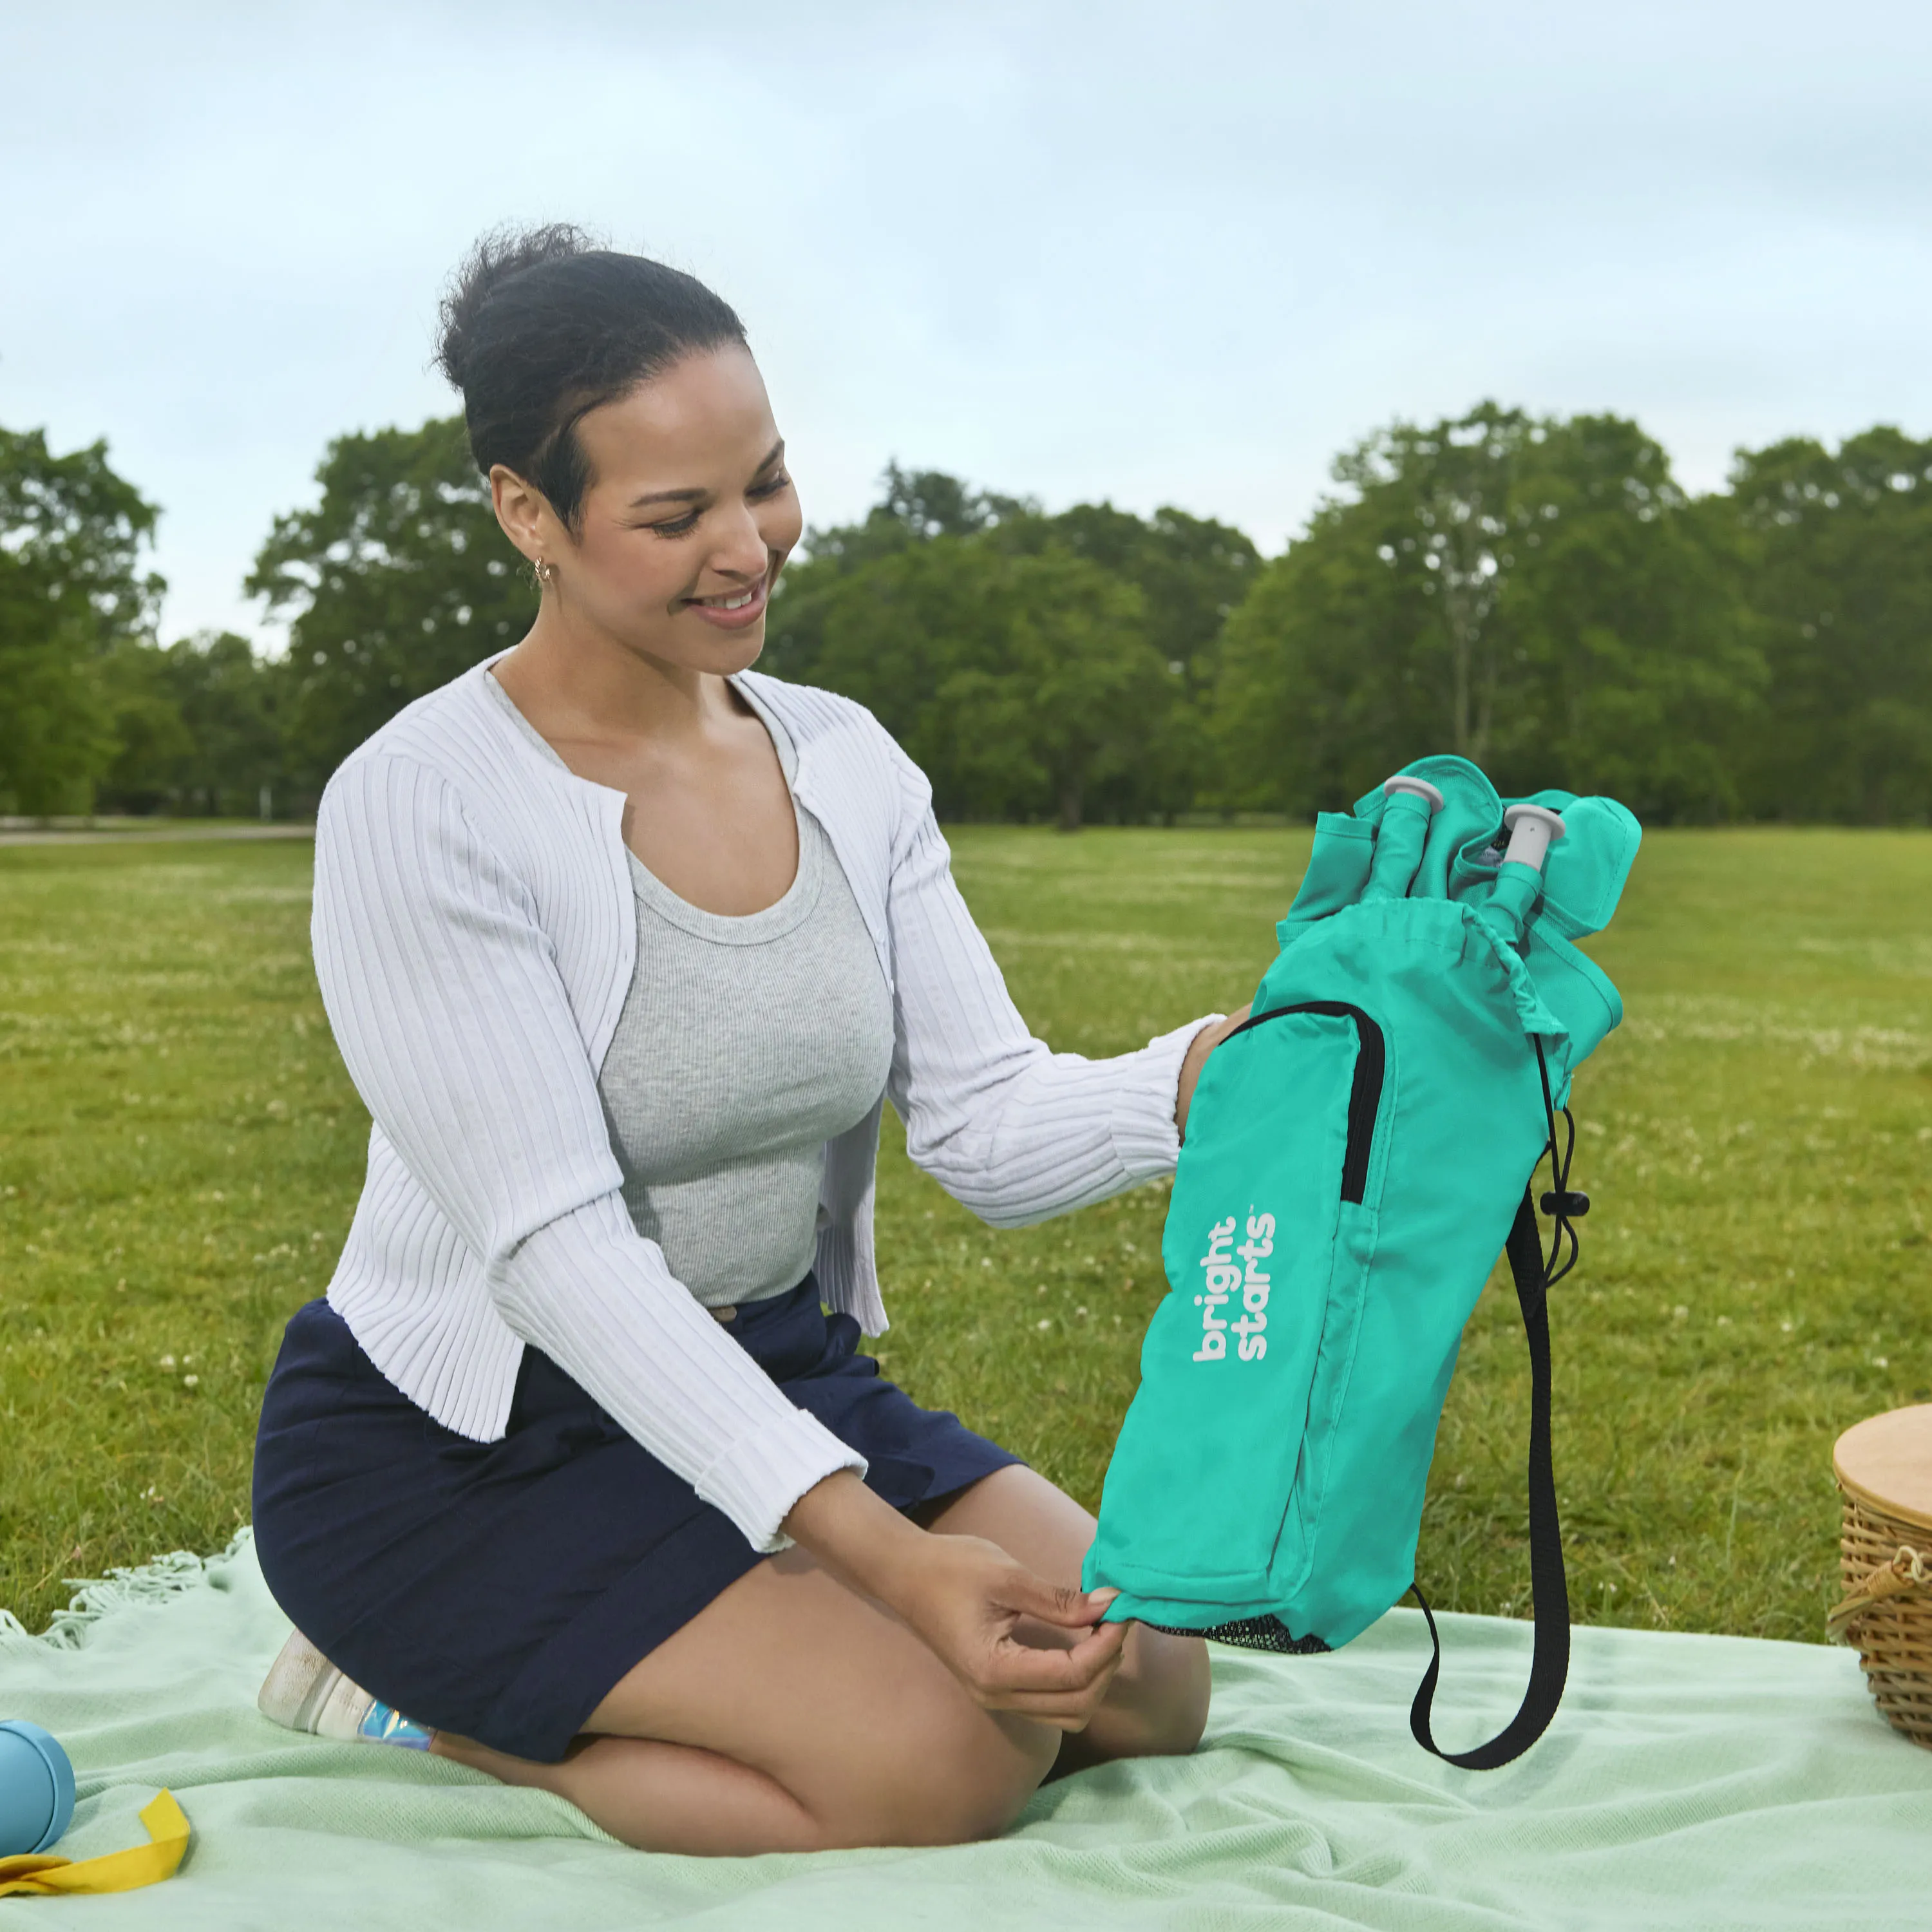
1549,1664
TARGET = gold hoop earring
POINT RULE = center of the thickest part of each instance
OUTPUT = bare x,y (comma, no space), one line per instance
545,571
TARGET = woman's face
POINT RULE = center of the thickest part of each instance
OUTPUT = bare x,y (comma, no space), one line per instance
688,518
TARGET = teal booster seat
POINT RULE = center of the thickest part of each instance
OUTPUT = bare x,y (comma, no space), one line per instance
1358,1154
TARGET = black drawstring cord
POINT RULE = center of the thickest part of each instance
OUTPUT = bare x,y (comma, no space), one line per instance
1560,1204
1534,1274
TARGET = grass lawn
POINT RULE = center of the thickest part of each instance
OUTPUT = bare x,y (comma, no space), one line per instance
180,1152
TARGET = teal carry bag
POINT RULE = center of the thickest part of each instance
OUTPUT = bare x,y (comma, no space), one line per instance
1358,1154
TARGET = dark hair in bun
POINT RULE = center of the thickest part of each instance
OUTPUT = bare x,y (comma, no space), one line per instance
540,326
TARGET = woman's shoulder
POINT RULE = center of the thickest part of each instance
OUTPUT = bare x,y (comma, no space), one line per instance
455,744
434,730
446,808
845,742
810,713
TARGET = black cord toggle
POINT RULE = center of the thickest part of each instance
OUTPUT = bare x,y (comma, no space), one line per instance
1557,1203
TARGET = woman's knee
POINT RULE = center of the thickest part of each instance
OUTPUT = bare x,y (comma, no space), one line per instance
878,1741
1156,1706
953,1779
1169,1701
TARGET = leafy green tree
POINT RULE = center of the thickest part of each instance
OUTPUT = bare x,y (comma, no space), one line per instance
397,581
1020,682
1079,704
1191,572
916,504
890,633
924,613
153,747
197,725
71,588
1837,549
1535,595
915,507
1637,646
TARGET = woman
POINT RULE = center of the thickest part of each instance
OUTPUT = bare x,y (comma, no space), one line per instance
625,948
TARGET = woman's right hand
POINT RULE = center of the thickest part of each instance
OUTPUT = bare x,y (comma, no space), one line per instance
965,1598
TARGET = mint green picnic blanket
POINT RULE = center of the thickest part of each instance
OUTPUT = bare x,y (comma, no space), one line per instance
1688,1781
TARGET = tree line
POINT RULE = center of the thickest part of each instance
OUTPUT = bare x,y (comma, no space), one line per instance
1537,593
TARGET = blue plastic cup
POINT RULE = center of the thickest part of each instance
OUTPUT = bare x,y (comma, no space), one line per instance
36,1788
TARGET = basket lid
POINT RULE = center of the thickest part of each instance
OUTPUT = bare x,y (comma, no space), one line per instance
1885,1462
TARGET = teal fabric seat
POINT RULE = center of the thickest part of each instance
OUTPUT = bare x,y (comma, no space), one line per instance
1358,1154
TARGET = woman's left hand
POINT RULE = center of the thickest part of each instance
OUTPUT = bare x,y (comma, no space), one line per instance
1203,1043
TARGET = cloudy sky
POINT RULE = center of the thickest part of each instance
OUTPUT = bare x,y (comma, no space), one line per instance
1178,253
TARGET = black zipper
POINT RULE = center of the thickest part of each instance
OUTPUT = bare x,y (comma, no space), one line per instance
1365,1091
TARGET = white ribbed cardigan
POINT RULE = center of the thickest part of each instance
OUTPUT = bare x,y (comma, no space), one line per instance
475,935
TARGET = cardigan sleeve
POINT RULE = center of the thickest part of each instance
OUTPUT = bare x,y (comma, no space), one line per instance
1013,1131
454,1025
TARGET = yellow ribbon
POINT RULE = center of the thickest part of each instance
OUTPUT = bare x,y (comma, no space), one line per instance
43,1875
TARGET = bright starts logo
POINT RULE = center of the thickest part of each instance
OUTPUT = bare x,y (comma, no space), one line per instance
1226,1269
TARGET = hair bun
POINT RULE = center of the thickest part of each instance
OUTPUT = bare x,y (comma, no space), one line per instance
541,325
498,258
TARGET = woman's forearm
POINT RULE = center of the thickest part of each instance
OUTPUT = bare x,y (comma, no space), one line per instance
966,1598
857,1535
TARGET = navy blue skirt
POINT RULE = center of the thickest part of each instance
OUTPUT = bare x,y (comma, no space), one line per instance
501,1590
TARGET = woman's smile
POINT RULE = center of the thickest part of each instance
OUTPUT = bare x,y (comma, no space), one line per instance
733,610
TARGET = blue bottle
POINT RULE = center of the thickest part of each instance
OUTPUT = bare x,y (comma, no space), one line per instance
36,1788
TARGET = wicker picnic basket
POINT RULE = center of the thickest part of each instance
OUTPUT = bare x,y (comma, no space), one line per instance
1884,1468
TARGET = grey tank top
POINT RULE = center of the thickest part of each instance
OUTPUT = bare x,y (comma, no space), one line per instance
745,1044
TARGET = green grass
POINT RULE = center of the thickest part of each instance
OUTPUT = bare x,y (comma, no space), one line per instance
180,1152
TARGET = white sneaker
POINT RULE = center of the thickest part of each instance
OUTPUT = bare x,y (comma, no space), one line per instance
304,1691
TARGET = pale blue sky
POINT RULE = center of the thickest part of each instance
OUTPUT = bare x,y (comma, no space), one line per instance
1175,254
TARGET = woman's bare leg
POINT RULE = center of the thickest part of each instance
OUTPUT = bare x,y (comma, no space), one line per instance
1157,1703
659,1797
791,1713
